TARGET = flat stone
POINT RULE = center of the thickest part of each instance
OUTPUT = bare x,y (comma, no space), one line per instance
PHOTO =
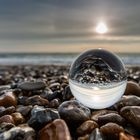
111,117
36,100
30,86
96,114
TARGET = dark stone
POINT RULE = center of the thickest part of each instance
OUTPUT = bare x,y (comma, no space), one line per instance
86,127
55,86
24,110
36,100
48,94
6,111
96,135
96,114
132,88
41,116
73,112
30,86
130,129
129,100
111,130
132,115
56,130
111,117
22,100
54,103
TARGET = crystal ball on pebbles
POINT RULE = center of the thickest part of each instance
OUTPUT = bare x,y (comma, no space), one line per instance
97,78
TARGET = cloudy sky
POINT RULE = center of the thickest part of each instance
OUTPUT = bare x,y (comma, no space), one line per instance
69,25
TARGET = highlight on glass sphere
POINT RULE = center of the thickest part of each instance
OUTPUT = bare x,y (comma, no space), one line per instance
97,78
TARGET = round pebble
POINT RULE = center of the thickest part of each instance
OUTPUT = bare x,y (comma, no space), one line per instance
7,98
74,112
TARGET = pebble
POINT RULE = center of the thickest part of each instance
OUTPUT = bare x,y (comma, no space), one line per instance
123,136
132,115
111,130
56,91
41,116
132,88
48,94
56,130
7,119
85,137
23,132
24,110
6,111
96,114
36,100
130,129
67,94
7,98
129,100
18,118
73,112
30,86
111,117
86,127
54,103
96,135
5,126
55,86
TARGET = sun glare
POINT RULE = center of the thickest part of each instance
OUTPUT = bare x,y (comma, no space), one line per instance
101,28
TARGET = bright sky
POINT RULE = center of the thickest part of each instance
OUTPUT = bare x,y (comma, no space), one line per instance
69,25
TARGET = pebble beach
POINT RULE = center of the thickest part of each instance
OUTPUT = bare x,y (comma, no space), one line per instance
36,104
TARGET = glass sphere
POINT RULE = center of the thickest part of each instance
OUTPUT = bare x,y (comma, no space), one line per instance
97,78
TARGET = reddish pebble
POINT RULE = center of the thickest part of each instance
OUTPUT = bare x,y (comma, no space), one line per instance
8,99
57,130
7,119
86,127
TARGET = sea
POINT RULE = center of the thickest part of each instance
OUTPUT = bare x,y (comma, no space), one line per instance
56,58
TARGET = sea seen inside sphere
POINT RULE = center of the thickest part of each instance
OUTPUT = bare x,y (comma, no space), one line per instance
97,78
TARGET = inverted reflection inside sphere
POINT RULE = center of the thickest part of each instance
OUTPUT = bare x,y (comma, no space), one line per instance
97,78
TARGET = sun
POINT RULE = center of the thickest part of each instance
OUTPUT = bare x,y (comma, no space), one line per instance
101,28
